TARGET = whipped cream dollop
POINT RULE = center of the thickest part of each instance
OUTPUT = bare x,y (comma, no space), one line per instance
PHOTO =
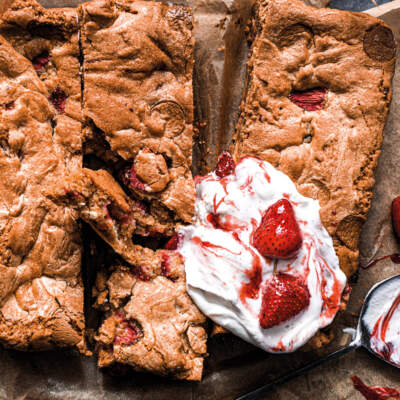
382,319
226,274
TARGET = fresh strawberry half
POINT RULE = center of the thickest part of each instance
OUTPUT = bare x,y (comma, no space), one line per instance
278,235
396,216
225,165
284,297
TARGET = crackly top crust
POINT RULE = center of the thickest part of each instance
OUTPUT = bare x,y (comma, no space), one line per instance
138,62
169,336
41,294
331,153
49,38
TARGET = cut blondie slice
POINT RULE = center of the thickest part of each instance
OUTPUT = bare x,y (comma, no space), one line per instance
315,105
151,324
41,293
49,38
102,203
138,62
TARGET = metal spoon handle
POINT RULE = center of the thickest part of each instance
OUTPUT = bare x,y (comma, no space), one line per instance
333,356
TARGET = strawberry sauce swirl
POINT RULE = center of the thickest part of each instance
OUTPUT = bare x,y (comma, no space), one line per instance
226,274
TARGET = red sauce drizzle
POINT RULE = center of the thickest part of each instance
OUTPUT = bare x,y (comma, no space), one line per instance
374,392
395,257
380,330
251,288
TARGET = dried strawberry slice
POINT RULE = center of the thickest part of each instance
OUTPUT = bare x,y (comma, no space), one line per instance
225,165
58,98
310,100
41,60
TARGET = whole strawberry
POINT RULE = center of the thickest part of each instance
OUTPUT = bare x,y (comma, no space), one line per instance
225,165
284,297
278,235
396,216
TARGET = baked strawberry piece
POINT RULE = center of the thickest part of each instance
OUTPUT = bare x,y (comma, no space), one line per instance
225,165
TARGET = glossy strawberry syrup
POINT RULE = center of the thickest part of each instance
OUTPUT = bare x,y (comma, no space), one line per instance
374,392
378,335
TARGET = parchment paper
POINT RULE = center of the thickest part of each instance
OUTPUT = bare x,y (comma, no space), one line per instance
233,367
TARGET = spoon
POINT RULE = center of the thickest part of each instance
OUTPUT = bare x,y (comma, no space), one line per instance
383,293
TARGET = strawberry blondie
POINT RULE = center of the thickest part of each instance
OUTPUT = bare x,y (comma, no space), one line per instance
150,323
41,291
49,39
315,105
137,68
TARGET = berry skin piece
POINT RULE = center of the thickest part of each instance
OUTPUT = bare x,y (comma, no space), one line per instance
396,216
284,297
278,235
225,165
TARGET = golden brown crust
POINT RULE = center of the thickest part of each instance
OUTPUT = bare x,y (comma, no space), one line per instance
41,293
330,153
169,337
138,62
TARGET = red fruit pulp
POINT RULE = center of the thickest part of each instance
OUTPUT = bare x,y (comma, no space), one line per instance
225,165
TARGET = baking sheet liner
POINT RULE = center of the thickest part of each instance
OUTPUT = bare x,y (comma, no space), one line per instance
233,366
